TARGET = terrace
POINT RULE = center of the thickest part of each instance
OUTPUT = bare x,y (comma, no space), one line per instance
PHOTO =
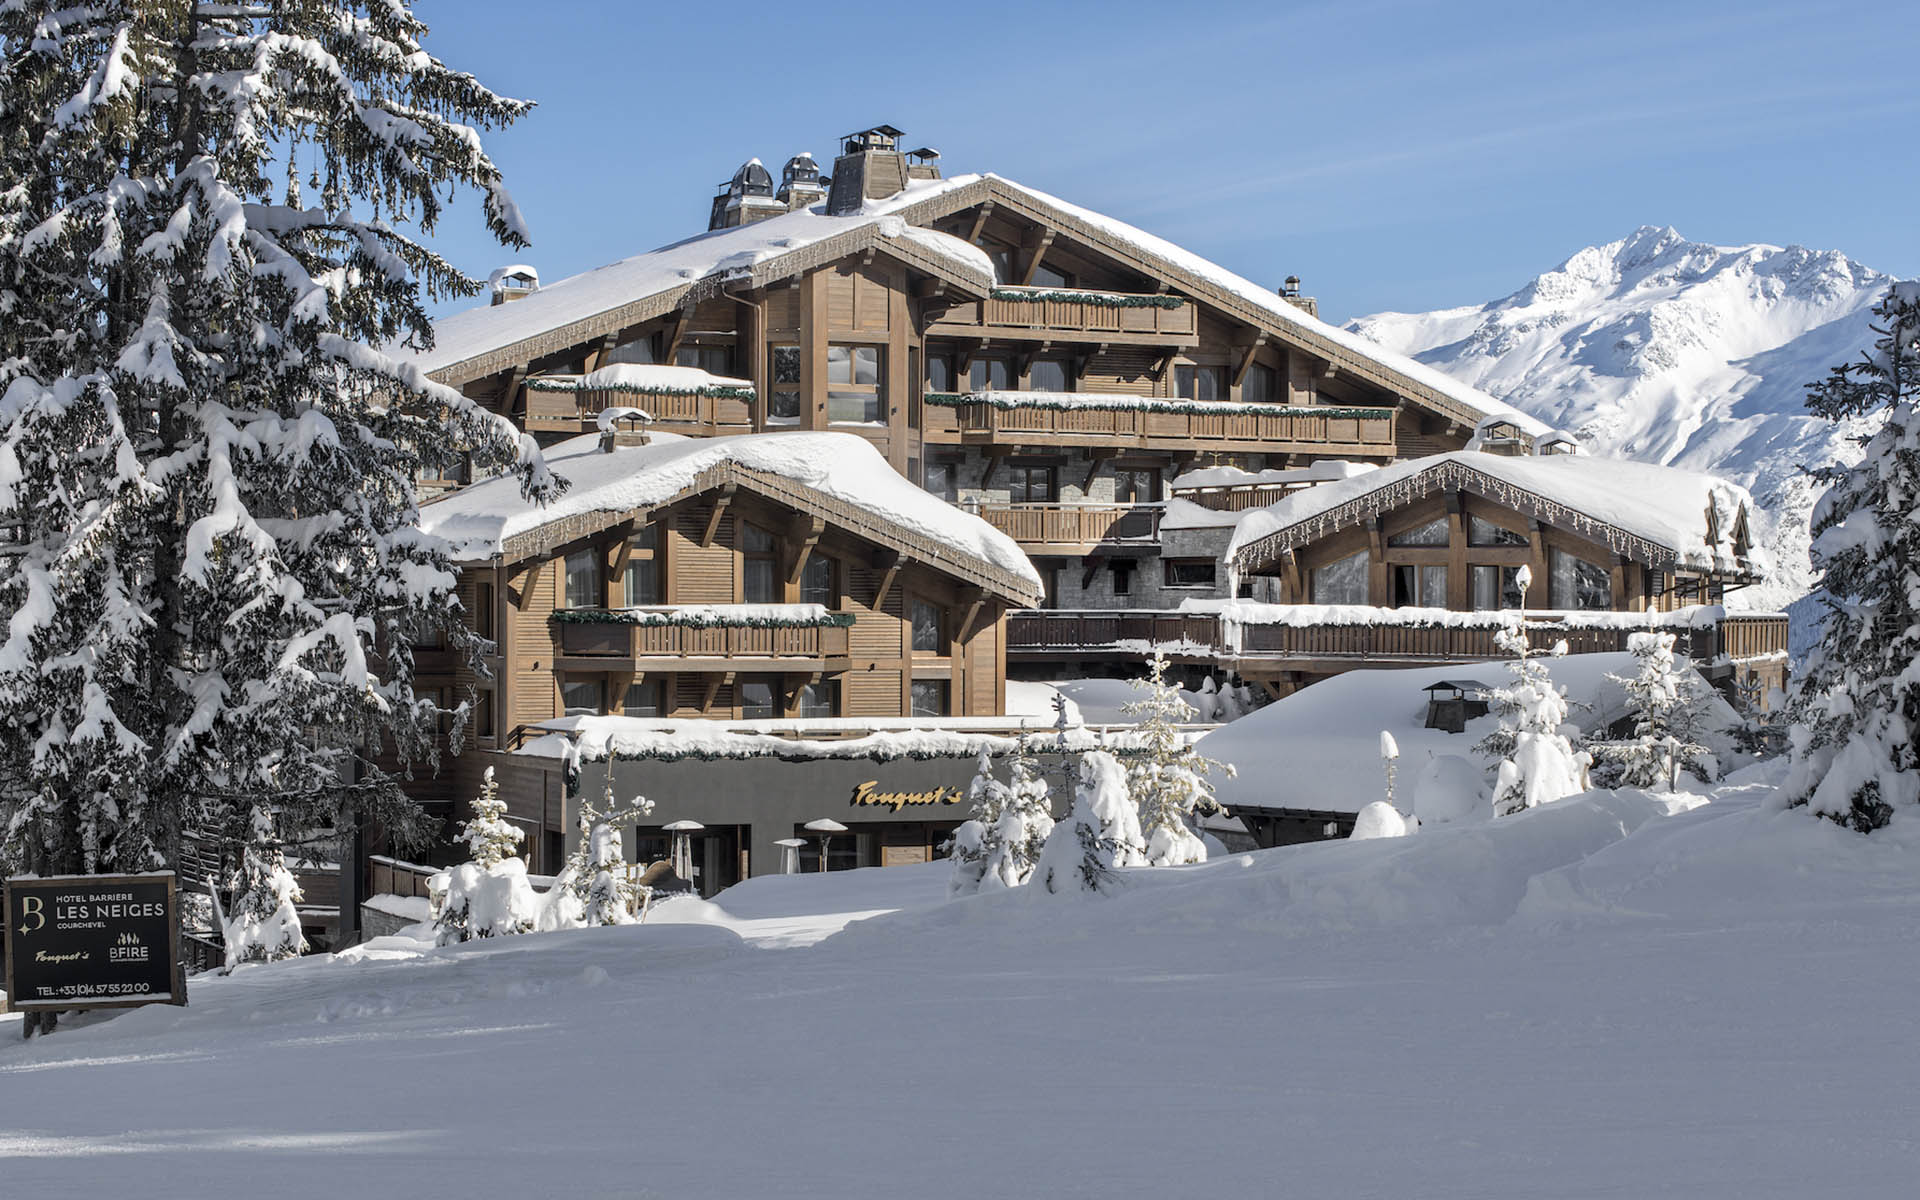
1158,423
1112,318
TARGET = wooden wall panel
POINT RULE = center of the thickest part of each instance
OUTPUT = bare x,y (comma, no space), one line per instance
872,694
701,574
783,310
840,300
1125,369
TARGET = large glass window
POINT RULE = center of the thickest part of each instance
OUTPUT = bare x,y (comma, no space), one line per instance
639,350
1342,581
643,699
939,373
1424,586
853,383
1136,486
928,698
928,636
1495,588
1578,584
583,695
820,699
1261,386
1049,375
643,567
759,698
1200,383
714,360
989,375
783,398
1433,533
483,610
1482,532
760,582
943,479
1189,572
1027,484
819,581
583,579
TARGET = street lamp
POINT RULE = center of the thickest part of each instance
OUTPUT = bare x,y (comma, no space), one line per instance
826,827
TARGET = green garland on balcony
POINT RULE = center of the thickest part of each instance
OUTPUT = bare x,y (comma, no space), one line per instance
1097,299
1158,404
544,383
698,619
1041,743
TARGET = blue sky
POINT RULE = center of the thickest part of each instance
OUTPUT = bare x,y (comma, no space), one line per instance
1395,155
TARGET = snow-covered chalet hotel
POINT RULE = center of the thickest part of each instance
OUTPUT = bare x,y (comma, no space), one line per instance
1037,442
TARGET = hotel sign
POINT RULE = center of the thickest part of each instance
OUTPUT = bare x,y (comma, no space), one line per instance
869,795
92,941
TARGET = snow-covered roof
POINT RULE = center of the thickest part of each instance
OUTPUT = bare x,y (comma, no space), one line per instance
647,378
1318,472
1654,513
490,519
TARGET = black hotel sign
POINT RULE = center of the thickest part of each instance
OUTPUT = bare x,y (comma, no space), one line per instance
92,941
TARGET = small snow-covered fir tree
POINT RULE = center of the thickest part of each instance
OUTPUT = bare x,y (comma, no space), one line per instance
1168,781
263,922
210,217
595,888
1014,844
1856,738
489,836
488,896
1100,835
986,798
1536,763
1666,700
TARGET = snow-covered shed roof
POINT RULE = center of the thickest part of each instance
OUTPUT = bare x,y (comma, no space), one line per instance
1659,515
838,476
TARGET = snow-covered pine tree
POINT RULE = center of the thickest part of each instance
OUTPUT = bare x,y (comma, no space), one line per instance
1536,763
488,896
1666,699
263,923
1168,781
594,888
489,836
1856,738
1100,834
1026,819
974,840
206,467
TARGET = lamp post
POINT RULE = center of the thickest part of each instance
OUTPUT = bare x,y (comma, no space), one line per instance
826,827
681,852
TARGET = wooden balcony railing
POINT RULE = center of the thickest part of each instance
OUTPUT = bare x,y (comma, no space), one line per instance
1074,524
612,639
1143,319
1745,637
1274,428
679,413
1050,632
1240,496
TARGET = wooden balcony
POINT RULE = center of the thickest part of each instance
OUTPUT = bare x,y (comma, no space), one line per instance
1073,528
615,644
1054,634
1240,496
696,415
1264,428
1057,314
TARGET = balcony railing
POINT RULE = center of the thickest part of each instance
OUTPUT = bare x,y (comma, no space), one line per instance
576,411
614,639
1240,496
1114,317
1084,525
1078,419
1047,633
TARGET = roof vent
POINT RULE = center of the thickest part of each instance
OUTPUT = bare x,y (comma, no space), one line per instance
515,281
870,167
923,163
800,183
1290,292
623,426
746,198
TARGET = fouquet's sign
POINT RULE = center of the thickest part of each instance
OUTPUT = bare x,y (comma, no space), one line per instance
92,941
869,795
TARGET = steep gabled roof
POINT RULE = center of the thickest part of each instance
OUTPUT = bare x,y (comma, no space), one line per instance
836,476
1661,516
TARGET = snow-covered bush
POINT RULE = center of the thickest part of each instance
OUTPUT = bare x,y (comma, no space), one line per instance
1668,704
1167,782
264,924
1856,738
1100,835
1536,763
1379,820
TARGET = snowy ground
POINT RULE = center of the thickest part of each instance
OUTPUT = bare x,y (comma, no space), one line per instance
1591,999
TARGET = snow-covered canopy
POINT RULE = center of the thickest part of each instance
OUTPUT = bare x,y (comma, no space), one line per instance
1656,514
490,519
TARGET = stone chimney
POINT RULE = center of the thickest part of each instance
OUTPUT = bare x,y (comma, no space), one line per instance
746,198
1290,292
800,185
870,167
514,282
622,427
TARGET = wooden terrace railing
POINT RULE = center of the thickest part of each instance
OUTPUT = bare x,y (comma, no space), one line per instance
1280,429
1156,321
618,640
576,411
1238,497
1074,524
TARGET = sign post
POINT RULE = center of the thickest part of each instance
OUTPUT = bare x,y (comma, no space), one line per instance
93,941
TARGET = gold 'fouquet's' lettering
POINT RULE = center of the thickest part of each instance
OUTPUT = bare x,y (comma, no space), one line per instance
869,795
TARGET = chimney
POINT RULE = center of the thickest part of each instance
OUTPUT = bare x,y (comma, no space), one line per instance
622,427
514,282
870,167
1290,292
800,185
746,198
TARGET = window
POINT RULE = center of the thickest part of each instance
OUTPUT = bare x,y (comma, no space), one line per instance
1028,484
1575,583
583,696
820,699
819,581
1003,265
759,581
853,383
1482,532
1495,588
928,637
939,373
928,698
1046,277
1342,581
643,567
1136,486
643,699
1188,572
989,375
583,579
1433,533
483,610
783,398
1261,386
714,360
1049,375
483,714
1122,577
1200,383
1422,586
943,480
637,351
759,699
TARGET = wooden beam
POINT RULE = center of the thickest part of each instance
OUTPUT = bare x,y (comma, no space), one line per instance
963,362
676,332
714,682
510,405
803,534
1294,585
887,562
980,222
1161,366
974,599
995,456
528,579
1246,359
1037,250
1094,563
721,501
930,289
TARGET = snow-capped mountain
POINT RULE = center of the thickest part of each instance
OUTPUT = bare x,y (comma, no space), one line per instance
1658,348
